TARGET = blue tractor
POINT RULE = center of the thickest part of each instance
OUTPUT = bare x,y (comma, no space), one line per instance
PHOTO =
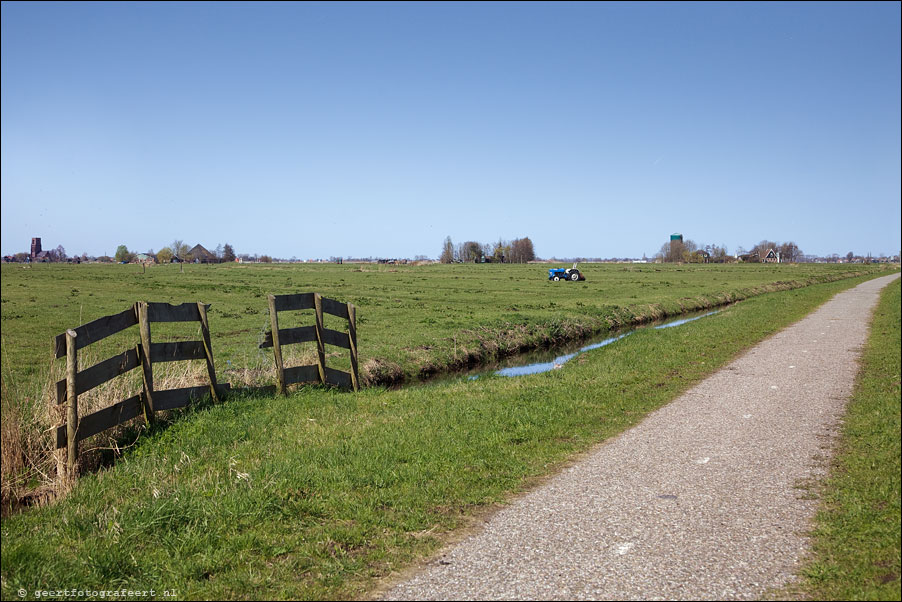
571,274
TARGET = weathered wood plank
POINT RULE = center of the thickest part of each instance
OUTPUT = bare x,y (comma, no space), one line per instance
208,347
146,364
100,373
288,336
72,405
102,420
276,346
301,374
166,312
338,378
124,411
335,308
320,344
179,398
302,334
333,337
97,330
352,338
294,302
177,351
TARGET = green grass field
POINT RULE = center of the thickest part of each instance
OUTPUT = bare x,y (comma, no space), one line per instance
413,321
321,494
416,318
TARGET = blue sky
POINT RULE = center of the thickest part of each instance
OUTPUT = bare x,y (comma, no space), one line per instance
373,129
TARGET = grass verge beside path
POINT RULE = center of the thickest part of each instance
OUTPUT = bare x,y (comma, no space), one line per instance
321,494
856,547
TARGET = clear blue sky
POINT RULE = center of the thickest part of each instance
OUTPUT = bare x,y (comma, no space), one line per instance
371,129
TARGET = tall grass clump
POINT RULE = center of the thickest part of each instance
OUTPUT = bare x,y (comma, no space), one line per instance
28,474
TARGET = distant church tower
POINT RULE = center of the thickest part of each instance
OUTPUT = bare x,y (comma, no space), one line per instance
35,247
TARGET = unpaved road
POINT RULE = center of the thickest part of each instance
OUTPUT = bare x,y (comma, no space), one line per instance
705,499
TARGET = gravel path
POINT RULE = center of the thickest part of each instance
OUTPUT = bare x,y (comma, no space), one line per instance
705,499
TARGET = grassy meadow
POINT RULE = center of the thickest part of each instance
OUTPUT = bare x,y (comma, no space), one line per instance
324,494
413,321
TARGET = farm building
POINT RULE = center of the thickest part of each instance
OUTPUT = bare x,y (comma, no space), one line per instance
769,256
199,254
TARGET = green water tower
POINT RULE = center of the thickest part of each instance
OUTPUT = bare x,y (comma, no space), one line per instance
674,237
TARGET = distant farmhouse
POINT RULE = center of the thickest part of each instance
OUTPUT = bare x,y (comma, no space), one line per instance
762,256
769,256
198,254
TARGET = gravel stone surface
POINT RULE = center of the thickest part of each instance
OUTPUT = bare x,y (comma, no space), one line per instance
705,499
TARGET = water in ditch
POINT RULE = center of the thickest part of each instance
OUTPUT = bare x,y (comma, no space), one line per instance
546,360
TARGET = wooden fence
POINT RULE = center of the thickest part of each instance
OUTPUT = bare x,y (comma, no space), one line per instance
143,355
319,372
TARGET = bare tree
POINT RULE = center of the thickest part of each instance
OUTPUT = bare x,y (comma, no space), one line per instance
470,251
522,250
501,251
674,251
447,255
179,249
789,252
718,254
763,247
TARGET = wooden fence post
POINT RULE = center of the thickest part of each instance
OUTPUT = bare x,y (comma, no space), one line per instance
276,348
147,366
72,406
208,347
320,345
352,339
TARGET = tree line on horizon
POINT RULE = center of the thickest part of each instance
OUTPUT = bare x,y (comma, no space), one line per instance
519,250
687,251
178,250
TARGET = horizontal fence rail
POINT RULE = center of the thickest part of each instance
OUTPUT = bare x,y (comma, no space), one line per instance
277,338
132,407
143,355
97,330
